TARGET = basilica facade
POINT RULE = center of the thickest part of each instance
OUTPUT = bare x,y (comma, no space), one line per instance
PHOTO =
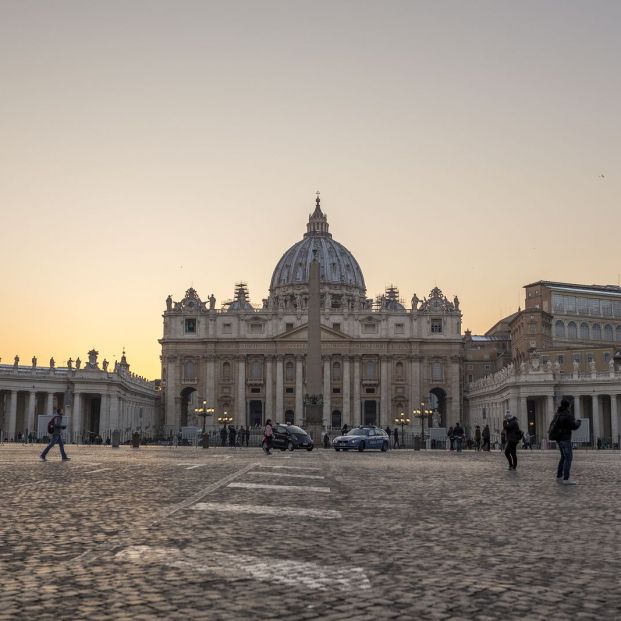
249,361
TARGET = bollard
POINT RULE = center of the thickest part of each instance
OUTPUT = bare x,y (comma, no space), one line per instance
116,438
135,440
205,440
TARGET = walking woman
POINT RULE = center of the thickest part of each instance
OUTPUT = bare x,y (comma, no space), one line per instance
512,436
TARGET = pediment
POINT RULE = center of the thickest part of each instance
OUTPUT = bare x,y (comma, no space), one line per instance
301,334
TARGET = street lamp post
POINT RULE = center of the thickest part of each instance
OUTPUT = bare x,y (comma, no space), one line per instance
402,420
225,418
421,413
204,412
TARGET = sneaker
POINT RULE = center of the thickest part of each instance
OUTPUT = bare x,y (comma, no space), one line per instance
569,482
41,458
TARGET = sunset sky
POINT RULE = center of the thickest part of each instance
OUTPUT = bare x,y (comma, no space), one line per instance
146,147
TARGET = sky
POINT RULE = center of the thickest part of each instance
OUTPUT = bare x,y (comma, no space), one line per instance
149,146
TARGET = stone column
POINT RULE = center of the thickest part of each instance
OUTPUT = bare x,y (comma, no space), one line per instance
210,382
455,388
549,411
78,423
240,409
346,392
171,414
104,416
614,419
30,418
384,414
269,389
327,390
577,407
597,428
299,390
114,411
356,417
12,422
279,414
415,394
49,407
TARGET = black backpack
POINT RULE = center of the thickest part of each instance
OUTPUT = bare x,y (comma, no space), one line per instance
50,425
554,431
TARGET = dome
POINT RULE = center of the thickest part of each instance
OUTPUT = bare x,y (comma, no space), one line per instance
337,264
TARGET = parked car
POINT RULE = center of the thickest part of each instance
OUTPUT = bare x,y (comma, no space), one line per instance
361,438
290,437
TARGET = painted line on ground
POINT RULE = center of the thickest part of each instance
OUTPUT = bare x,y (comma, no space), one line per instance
220,507
284,488
287,474
196,466
207,490
94,471
233,566
288,467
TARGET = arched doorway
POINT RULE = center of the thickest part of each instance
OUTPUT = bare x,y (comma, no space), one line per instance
189,401
437,403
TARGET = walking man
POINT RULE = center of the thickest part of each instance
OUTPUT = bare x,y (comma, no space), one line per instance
561,427
477,438
486,438
512,437
451,436
396,434
458,436
56,427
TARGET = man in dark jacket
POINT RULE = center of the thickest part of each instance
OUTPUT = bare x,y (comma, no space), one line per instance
458,437
513,434
477,438
57,437
565,424
486,438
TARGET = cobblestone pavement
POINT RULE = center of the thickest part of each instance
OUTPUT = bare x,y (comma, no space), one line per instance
187,533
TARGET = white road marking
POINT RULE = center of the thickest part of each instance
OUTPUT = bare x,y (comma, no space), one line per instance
196,466
267,510
94,471
293,573
287,474
287,467
284,488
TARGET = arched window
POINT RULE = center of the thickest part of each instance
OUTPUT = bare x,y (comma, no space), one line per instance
289,372
584,331
399,370
336,371
336,418
189,370
226,371
572,330
559,330
256,370
596,332
618,332
608,333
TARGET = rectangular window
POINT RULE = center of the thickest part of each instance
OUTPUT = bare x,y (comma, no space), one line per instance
484,413
470,378
617,309
256,328
336,391
560,359
607,308
190,326
369,328
582,306
399,328
288,326
469,367
487,367
436,371
532,328
606,356
589,358
255,390
370,391
570,304
557,303
227,328
436,326
594,307
577,358
336,326
289,391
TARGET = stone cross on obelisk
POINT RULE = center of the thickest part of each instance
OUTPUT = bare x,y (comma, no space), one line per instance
313,402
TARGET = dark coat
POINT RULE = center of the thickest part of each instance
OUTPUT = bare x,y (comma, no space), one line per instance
566,424
512,430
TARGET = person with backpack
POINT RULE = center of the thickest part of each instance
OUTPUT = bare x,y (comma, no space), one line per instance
55,429
513,434
268,434
560,431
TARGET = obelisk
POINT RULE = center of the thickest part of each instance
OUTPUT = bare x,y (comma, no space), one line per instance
313,401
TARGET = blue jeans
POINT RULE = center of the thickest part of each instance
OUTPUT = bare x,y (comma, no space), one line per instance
458,442
56,439
564,465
